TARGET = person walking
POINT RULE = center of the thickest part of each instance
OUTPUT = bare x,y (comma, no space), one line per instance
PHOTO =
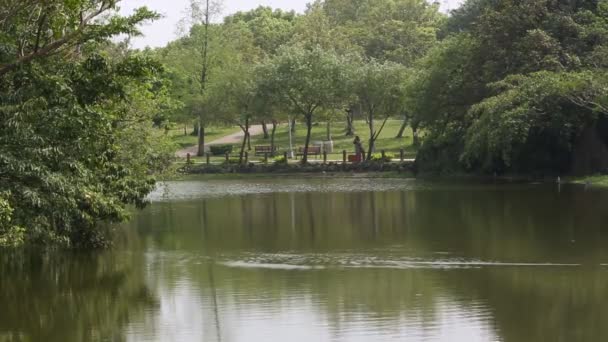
359,150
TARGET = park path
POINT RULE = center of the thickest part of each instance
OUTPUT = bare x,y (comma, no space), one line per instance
234,138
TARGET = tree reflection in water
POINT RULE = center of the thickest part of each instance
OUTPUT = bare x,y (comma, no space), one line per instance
430,264
53,296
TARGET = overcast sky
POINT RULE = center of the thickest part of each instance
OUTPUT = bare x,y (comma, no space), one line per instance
163,31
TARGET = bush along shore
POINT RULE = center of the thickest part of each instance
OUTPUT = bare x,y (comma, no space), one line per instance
282,167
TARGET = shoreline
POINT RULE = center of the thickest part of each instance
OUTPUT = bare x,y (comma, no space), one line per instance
396,170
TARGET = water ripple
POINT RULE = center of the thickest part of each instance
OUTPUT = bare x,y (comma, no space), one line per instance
325,261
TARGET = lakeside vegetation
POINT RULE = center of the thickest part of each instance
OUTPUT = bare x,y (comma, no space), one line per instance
387,139
87,124
186,139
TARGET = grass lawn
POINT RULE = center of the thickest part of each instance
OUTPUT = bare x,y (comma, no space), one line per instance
386,141
211,133
598,180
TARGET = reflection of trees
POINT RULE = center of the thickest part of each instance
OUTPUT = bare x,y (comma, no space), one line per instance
309,221
514,224
541,305
70,297
384,293
501,224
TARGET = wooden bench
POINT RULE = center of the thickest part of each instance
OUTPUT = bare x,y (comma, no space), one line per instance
264,149
312,151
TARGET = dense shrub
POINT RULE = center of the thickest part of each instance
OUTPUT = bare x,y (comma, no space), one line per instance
220,150
377,157
280,160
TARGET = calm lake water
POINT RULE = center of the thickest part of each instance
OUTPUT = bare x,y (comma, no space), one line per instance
328,260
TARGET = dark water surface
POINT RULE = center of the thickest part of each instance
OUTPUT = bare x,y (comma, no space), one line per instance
328,260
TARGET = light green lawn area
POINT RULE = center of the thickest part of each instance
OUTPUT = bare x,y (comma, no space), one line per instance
386,141
597,180
211,133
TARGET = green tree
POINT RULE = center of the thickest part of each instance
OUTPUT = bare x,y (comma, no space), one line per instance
492,41
511,128
199,16
270,29
306,81
66,109
401,31
379,88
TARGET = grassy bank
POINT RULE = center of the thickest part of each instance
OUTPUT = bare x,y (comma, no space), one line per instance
386,141
596,180
211,133
239,176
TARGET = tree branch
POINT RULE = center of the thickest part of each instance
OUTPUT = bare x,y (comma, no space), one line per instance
55,45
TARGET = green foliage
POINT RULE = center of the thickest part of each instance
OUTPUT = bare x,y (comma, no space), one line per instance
377,157
76,144
270,29
379,89
232,161
400,31
510,127
306,81
10,235
220,150
515,87
280,160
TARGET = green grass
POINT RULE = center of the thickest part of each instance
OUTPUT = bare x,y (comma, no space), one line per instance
211,133
597,180
386,141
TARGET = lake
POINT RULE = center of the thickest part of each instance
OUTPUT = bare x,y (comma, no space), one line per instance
325,259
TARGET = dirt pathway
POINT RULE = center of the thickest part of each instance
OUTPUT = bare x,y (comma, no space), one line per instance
235,138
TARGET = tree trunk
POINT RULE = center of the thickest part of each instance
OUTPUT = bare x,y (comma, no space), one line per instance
245,138
185,130
308,133
248,140
328,130
293,125
416,138
371,143
265,129
350,118
402,129
274,129
201,139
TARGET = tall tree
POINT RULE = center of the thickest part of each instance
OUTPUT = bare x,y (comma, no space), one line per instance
201,13
495,49
380,91
68,110
307,80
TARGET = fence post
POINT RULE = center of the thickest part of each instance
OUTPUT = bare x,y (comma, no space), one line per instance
187,158
266,158
246,157
227,157
401,155
383,155
208,156
324,157
285,156
344,157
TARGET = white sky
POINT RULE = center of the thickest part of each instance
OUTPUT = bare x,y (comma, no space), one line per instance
163,31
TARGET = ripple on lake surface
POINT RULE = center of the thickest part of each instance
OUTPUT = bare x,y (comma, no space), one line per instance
326,259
